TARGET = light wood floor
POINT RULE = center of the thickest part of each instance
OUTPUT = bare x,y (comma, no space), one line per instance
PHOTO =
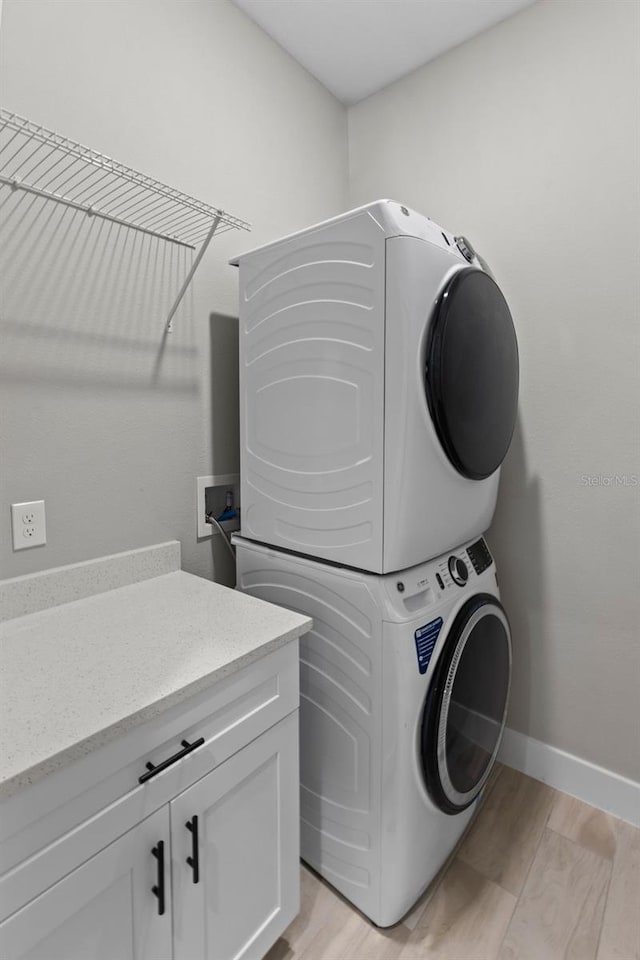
539,876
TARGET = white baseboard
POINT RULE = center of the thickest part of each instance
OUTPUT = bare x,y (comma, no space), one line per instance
596,786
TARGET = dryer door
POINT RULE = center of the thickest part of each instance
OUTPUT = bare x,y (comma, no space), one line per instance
471,373
466,706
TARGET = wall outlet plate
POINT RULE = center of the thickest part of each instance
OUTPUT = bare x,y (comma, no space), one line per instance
210,494
28,524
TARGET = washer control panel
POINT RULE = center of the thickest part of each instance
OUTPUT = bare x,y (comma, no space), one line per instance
417,588
456,569
479,556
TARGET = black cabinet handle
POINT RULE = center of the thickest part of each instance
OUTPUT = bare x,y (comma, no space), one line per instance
158,889
152,769
194,860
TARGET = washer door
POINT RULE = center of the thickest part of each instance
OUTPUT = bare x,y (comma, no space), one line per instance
466,706
471,373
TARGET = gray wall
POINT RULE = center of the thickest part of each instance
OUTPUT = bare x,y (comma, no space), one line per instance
102,416
526,139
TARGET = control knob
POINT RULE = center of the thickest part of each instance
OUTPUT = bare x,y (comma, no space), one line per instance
458,571
465,248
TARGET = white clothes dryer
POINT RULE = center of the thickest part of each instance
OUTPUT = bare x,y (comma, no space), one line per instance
378,390
404,683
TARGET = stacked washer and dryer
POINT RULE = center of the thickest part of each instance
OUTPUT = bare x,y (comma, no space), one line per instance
378,395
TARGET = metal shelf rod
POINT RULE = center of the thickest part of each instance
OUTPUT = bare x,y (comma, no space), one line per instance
92,157
96,189
194,267
186,220
91,211
60,173
44,164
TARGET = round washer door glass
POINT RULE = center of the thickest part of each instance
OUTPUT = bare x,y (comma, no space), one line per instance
466,705
472,373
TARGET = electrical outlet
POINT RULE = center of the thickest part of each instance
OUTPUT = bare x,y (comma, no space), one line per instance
28,524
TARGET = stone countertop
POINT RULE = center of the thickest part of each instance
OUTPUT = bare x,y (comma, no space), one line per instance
76,676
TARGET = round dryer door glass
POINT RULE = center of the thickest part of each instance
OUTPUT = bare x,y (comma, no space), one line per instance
471,371
466,705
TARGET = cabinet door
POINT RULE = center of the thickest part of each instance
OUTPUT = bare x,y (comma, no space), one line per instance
103,910
246,890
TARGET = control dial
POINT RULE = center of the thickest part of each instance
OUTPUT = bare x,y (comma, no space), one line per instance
465,248
458,571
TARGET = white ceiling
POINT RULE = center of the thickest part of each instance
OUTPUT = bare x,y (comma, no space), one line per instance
356,47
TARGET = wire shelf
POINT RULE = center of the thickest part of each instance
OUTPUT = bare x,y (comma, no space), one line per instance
41,162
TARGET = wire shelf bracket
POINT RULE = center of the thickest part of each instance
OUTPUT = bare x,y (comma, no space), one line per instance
43,163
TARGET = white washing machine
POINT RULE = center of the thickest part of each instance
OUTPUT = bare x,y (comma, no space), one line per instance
378,390
404,683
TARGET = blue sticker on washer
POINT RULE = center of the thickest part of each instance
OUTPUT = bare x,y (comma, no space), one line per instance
425,642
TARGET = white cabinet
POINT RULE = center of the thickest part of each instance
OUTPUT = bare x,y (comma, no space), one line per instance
103,910
235,871
129,880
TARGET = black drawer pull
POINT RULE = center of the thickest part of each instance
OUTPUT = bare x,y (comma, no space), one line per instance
152,769
194,859
158,889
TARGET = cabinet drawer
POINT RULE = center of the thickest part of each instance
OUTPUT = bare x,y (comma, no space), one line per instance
227,716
